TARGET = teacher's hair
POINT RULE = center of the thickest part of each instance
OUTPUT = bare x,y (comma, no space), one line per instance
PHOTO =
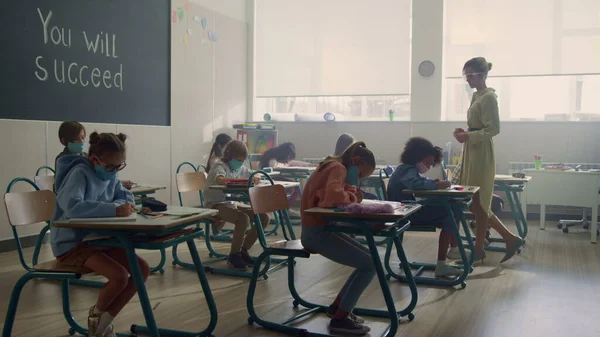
479,64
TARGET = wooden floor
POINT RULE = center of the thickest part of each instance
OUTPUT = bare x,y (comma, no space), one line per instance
551,289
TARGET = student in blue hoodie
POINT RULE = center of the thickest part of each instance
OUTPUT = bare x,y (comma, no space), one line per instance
88,187
418,157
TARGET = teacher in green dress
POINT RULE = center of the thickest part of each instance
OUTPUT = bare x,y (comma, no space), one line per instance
478,165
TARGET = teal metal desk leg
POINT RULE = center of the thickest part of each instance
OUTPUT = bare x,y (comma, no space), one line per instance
420,267
136,274
522,215
210,301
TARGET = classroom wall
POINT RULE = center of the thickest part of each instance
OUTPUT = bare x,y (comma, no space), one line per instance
208,95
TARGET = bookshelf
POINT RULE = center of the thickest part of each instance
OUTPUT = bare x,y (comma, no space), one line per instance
258,137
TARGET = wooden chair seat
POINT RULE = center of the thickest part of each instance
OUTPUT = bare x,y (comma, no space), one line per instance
54,266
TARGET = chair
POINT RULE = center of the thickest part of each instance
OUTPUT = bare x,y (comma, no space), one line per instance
27,208
267,199
195,182
45,182
45,229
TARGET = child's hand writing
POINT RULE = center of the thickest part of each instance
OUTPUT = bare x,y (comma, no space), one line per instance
441,184
125,210
256,180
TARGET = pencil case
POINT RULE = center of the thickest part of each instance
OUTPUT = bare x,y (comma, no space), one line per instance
154,205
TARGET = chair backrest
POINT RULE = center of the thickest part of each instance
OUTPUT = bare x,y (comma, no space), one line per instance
44,182
26,208
267,199
46,168
190,181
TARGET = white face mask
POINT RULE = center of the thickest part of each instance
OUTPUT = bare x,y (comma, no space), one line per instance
422,168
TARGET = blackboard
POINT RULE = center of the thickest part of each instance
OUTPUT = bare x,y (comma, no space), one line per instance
99,61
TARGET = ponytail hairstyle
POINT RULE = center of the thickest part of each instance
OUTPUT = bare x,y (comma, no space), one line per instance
479,64
357,149
221,140
344,140
234,149
108,143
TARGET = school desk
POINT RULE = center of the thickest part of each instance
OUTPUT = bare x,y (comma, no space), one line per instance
158,233
512,186
563,188
390,225
445,198
242,192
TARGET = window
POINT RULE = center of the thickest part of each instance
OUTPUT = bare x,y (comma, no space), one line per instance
347,57
544,53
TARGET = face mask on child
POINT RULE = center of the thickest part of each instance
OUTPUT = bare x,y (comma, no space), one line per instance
422,168
352,175
235,164
75,147
103,174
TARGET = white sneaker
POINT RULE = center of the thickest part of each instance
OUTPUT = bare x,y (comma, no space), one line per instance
454,254
445,270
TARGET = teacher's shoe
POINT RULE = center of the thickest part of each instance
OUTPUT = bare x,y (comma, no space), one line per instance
347,326
512,250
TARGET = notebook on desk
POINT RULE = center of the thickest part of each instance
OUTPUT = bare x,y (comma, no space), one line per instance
394,204
132,217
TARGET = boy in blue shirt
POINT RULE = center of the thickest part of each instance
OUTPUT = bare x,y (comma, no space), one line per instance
418,157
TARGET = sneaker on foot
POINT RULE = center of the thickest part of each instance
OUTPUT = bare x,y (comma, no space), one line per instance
248,260
348,326
236,261
333,308
446,270
454,254
110,331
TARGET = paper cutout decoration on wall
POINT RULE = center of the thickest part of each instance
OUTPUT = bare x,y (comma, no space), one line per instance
190,31
196,18
180,13
211,35
186,5
185,39
215,37
174,16
203,23
204,41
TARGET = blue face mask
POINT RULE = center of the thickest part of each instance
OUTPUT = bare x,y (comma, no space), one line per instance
235,164
104,174
352,175
75,147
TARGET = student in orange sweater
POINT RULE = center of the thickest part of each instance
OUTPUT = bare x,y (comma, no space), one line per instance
332,184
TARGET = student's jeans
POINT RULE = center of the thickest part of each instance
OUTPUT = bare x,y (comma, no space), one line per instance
344,250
